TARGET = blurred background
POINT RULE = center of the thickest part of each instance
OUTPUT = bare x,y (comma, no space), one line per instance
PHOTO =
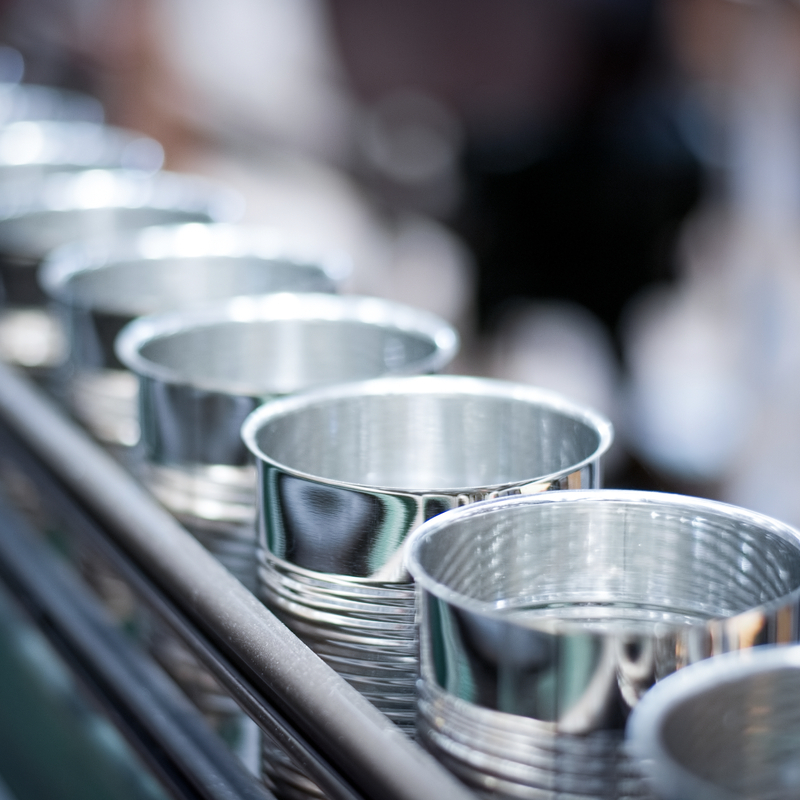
604,195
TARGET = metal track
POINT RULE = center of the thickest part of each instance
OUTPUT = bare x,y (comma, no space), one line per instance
167,732
345,745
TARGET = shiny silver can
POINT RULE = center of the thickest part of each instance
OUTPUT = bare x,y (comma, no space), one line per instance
100,285
725,729
202,371
544,620
38,216
348,472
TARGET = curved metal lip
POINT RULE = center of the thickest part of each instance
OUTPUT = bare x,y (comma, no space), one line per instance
280,306
76,143
117,188
189,240
617,496
643,731
428,384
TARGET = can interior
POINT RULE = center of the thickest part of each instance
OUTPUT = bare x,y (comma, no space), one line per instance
147,286
280,356
429,440
595,560
741,736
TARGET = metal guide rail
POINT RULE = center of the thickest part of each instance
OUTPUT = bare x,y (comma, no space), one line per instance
348,748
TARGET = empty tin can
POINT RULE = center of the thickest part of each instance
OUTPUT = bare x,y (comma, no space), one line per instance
544,620
37,216
202,371
346,473
725,729
101,285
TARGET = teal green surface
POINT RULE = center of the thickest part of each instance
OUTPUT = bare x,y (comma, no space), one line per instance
53,744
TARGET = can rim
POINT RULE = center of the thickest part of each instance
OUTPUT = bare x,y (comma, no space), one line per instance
279,306
183,241
432,385
622,497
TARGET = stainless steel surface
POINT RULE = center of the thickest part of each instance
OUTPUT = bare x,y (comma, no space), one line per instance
543,621
366,749
102,284
347,472
724,729
37,216
31,149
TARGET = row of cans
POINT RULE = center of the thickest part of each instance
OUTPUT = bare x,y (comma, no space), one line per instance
441,541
